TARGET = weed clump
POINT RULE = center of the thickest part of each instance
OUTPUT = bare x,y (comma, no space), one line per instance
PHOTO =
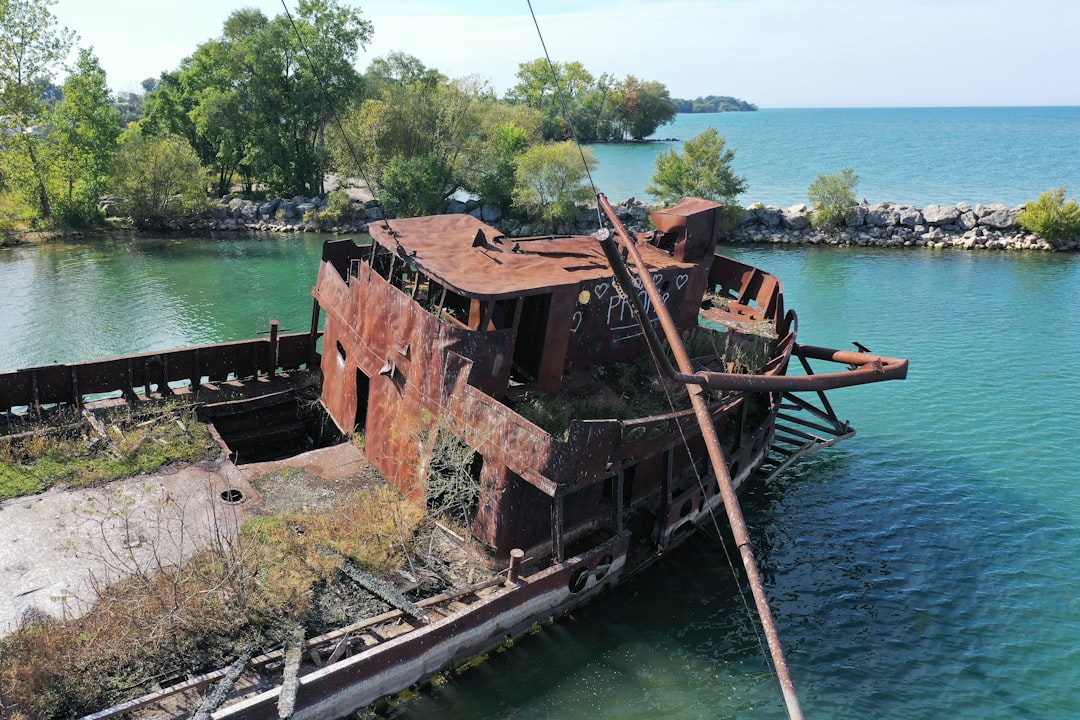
92,448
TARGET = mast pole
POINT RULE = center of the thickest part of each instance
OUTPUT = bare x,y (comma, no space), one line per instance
712,444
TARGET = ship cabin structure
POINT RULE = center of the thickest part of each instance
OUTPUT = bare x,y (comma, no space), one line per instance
445,329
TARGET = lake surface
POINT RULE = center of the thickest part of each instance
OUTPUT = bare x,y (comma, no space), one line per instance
906,155
926,568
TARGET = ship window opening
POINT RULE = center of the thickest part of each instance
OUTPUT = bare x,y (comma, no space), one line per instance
502,315
363,389
341,351
628,485
431,300
456,307
382,261
531,334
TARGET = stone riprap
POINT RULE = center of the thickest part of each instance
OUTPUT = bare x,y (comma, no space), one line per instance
884,224
888,224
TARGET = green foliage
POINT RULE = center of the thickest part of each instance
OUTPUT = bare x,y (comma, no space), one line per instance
339,208
1052,217
82,133
156,178
550,182
833,198
251,103
601,109
453,482
32,47
418,140
703,169
642,107
506,133
136,442
714,104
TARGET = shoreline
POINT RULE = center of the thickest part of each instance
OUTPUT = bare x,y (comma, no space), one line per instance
885,224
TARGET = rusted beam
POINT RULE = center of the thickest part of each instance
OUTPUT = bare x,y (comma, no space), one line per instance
716,456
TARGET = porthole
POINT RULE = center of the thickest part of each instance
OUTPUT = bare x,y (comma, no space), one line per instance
603,566
579,579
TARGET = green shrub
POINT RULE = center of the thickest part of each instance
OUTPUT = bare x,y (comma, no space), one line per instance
550,181
833,199
339,208
1051,217
703,169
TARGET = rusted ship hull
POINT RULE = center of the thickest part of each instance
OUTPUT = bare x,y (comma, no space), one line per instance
444,326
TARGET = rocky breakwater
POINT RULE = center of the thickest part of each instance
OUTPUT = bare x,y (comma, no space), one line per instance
231,214
887,224
298,214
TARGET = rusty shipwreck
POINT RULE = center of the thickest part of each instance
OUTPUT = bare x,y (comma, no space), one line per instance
563,364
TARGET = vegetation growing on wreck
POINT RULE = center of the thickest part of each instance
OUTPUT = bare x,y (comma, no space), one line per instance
636,389
246,590
93,447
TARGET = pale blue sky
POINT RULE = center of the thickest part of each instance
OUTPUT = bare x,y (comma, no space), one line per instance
776,53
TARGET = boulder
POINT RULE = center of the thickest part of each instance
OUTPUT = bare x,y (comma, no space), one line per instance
909,216
997,216
882,214
941,214
491,213
797,217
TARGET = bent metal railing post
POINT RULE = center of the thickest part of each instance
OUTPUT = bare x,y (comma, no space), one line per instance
708,433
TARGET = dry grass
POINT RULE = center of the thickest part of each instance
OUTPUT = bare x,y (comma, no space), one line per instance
246,589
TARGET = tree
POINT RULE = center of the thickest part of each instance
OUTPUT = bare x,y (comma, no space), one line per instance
255,101
1052,217
418,140
32,47
550,182
82,140
157,177
703,169
642,107
542,89
833,199
506,133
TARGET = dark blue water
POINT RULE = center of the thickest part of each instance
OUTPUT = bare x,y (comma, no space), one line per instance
907,155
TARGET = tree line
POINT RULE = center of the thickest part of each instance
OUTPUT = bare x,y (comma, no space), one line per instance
275,104
714,104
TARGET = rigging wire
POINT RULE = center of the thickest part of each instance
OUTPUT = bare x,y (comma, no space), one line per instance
333,112
566,110
751,616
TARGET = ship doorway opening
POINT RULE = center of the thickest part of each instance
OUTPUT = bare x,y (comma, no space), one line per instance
363,389
531,334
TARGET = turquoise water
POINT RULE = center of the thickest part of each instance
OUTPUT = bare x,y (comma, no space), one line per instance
926,568
908,155
99,297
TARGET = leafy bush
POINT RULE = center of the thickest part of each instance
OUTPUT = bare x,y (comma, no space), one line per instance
833,199
339,208
550,181
1051,217
157,177
703,169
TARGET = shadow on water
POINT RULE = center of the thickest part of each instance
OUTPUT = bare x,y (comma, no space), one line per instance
900,589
